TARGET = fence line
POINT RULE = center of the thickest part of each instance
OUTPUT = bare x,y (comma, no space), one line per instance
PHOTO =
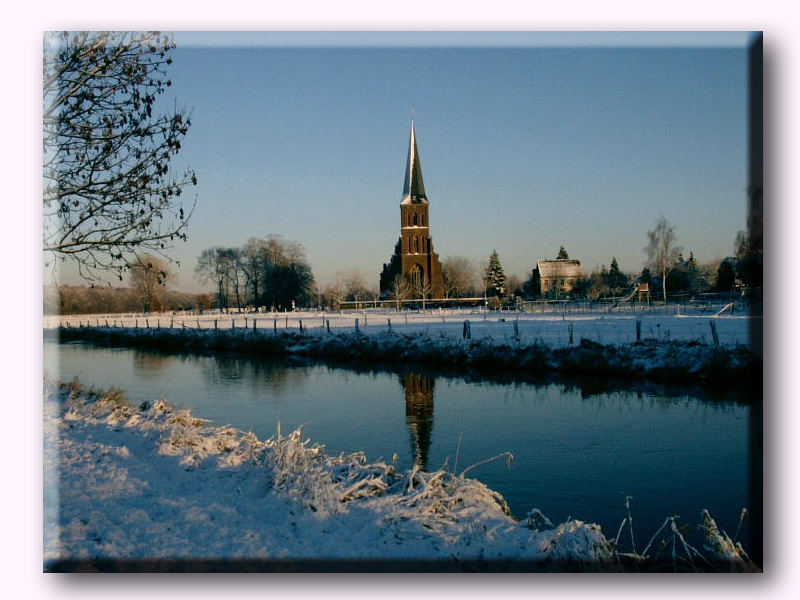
560,328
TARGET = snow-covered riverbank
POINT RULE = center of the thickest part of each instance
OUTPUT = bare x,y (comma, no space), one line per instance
150,487
555,327
673,361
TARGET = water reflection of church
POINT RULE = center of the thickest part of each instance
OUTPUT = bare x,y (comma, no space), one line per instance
419,414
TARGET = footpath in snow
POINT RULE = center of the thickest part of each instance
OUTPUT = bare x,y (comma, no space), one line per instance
150,487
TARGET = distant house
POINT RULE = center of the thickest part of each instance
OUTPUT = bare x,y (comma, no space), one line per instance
558,276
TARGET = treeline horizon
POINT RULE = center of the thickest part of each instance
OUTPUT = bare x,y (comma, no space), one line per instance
274,274
87,299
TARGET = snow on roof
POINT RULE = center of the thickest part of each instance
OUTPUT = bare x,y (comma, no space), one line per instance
560,267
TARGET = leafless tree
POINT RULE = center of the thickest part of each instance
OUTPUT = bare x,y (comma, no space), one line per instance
275,270
353,284
255,255
109,193
334,294
662,253
400,290
216,265
458,276
422,289
149,276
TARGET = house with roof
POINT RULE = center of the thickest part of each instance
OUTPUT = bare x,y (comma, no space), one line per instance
559,276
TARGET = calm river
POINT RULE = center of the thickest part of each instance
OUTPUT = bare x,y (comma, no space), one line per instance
579,448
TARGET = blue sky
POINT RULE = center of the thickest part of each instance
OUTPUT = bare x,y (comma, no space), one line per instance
527,143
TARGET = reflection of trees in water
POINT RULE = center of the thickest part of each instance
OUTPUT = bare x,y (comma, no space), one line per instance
216,369
664,393
419,391
145,363
608,397
260,375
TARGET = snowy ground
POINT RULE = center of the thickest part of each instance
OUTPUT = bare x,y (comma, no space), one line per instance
154,484
554,327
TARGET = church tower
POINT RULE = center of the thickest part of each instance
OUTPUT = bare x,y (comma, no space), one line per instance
419,391
414,257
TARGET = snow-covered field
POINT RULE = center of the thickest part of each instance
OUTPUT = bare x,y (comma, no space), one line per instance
650,344
554,328
154,484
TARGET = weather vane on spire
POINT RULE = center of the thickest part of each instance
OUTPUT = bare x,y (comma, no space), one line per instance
413,112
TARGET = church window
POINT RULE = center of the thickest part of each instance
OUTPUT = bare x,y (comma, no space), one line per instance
415,219
416,244
417,276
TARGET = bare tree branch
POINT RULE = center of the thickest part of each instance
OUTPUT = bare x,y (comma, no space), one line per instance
108,190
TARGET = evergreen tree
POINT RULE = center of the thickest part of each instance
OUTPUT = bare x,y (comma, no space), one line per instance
562,253
495,278
726,276
613,270
532,288
615,278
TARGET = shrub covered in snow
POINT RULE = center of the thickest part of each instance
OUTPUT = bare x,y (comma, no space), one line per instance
673,361
152,487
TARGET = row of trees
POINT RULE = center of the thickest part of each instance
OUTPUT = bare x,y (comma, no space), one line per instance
666,271
271,272
82,300
112,204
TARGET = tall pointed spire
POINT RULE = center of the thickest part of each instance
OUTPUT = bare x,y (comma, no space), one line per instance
413,188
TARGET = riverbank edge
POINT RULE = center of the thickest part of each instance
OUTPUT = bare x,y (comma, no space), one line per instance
684,362
304,480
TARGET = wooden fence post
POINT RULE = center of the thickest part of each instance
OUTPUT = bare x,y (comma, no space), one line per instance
466,333
275,325
516,328
638,330
389,325
328,325
215,324
571,330
356,325
300,321
714,332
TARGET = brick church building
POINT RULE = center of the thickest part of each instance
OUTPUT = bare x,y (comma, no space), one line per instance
414,258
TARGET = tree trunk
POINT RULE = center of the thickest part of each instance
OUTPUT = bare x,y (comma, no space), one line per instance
664,285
